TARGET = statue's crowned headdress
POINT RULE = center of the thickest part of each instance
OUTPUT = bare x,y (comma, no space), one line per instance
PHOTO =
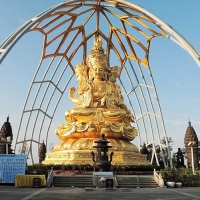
97,56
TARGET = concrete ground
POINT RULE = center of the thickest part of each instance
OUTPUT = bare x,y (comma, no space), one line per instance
54,193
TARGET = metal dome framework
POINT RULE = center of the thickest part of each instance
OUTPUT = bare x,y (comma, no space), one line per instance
69,29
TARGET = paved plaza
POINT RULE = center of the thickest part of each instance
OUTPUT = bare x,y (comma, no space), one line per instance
54,193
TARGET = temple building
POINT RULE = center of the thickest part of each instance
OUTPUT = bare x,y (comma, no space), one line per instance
191,136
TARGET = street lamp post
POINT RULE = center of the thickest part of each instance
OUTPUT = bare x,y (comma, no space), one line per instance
192,144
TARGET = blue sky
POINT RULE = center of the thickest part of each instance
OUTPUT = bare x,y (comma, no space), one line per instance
176,75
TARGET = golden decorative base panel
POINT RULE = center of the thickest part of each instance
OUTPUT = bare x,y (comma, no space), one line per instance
78,151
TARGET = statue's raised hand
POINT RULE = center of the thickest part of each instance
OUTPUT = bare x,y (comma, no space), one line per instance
71,92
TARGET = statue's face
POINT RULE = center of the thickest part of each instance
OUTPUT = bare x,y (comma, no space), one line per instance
113,77
98,71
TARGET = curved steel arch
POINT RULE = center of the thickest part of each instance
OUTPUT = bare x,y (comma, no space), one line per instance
149,119
9,42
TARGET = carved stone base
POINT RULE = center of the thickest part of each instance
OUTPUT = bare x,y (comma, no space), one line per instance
78,151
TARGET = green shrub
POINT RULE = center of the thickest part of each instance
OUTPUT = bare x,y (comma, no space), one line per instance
184,175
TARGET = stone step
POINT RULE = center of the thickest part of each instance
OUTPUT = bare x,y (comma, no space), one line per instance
87,181
136,181
72,181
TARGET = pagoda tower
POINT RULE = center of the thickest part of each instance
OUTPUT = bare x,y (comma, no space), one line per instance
5,133
191,136
42,152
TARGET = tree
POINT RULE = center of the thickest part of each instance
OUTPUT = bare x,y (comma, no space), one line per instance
165,152
51,146
150,150
23,148
159,152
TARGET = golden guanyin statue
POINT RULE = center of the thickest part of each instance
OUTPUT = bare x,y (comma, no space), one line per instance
100,109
